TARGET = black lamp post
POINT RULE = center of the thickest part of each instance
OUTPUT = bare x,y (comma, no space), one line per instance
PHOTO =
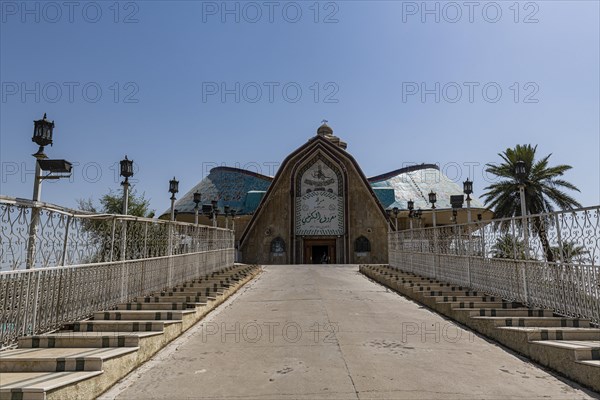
433,200
468,190
232,212
197,200
418,214
411,206
126,172
456,201
396,210
226,214
215,212
42,136
173,188
521,173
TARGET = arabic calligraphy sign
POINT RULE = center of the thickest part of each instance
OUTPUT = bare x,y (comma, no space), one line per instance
319,207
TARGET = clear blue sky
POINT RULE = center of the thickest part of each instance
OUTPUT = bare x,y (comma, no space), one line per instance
369,56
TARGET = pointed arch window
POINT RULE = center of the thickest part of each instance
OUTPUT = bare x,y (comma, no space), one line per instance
278,245
362,245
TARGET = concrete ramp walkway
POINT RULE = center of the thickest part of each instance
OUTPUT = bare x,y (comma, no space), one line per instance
328,332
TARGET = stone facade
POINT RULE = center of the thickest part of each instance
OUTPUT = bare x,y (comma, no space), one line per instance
318,206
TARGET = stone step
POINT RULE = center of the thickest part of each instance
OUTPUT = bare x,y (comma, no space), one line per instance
121,326
560,343
154,306
506,312
484,298
83,339
484,304
178,298
429,288
59,359
202,289
562,333
202,292
584,349
415,280
34,385
463,293
537,321
141,315
98,338
199,289
217,278
211,283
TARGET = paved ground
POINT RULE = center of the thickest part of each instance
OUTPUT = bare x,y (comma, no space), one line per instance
322,332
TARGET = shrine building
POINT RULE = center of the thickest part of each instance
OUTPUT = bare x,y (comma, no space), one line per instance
321,208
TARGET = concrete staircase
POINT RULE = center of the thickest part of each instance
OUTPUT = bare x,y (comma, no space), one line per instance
87,357
570,346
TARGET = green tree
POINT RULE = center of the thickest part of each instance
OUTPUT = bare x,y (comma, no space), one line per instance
112,203
544,188
101,230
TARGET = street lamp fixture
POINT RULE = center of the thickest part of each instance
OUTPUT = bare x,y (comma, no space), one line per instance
457,202
433,200
173,189
197,200
126,168
55,167
411,206
468,190
126,172
42,135
207,210
520,170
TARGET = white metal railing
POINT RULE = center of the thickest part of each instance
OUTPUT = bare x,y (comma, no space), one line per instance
558,267
84,263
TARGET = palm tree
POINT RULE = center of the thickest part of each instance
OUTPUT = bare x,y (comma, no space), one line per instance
571,252
507,246
543,189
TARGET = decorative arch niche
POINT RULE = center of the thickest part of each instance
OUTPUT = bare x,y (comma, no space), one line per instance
278,246
362,245
319,201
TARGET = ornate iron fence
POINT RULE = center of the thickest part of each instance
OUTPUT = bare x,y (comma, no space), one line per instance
84,263
547,260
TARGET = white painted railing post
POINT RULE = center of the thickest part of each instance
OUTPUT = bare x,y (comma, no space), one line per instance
63,257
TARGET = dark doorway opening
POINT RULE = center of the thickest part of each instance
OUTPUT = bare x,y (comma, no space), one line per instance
320,254
319,251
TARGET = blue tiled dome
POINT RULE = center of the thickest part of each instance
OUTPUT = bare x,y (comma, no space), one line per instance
237,188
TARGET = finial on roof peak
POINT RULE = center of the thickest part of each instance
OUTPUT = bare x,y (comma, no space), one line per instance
324,130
